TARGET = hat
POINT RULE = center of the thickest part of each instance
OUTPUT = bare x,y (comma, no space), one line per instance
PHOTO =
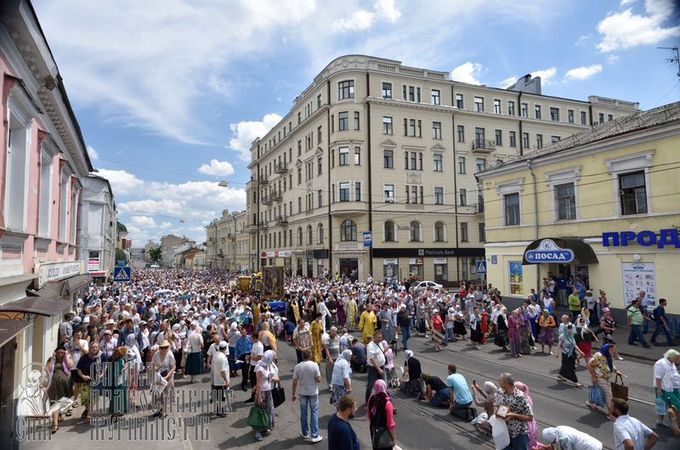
143,322
107,331
110,322
164,344
223,345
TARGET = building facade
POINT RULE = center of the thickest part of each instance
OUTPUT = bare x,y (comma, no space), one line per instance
227,244
602,206
98,230
171,245
372,171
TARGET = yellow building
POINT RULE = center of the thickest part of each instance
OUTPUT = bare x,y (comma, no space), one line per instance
608,203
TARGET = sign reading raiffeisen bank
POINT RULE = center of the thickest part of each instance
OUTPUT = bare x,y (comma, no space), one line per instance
57,271
549,252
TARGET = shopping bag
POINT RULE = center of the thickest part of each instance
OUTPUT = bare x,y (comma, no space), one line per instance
619,390
258,418
499,432
661,406
278,395
596,395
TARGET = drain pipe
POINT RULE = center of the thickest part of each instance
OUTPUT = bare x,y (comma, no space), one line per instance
530,165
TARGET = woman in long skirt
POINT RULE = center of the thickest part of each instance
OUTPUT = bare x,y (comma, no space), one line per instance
459,323
546,336
501,338
513,334
476,334
525,333
566,346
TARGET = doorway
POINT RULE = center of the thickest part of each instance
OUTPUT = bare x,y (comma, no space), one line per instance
7,393
349,268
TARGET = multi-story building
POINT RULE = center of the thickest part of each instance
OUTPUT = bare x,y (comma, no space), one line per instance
227,245
170,245
602,206
372,171
98,230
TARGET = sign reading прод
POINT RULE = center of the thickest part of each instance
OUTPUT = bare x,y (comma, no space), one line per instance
669,237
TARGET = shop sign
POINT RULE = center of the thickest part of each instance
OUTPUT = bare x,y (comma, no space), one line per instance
549,252
276,254
57,271
390,261
93,264
440,261
368,239
668,237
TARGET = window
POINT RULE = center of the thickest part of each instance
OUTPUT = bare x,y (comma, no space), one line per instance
525,110
511,108
357,120
387,90
633,193
584,120
464,237
554,139
537,111
481,164
462,197
319,135
412,194
439,232
299,173
17,181
413,128
309,235
525,140
299,116
389,231
610,117
479,104
555,114
459,101
332,123
497,106
357,191
413,160
46,203
318,101
345,89
438,195
461,165
570,115
357,155
480,137
413,93
482,232
436,97
461,133
601,117
319,166
343,121
299,233
344,192
565,201
299,205
499,138
388,159
511,206
436,130
437,162
389,193
319,232
513,139
539,140
332,193
387,125
415,232
348,231
344,156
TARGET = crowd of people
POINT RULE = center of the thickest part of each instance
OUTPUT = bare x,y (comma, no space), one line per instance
169,324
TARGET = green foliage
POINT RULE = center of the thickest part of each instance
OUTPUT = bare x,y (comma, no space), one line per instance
155,254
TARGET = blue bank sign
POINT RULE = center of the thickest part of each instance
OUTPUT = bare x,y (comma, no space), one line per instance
549,252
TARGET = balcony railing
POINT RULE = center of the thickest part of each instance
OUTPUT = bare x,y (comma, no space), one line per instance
282,221
266,200
483,146
276,197
280,168
263,179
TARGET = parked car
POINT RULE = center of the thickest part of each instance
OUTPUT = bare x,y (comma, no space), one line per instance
419,286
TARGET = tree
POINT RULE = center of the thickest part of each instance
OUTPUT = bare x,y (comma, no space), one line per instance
155,254
120,255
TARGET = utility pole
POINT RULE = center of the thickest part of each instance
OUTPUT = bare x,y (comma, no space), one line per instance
675,59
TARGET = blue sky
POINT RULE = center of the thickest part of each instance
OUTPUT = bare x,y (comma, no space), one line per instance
170,93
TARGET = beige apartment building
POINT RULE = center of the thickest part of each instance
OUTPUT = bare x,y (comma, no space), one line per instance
227,244
372,171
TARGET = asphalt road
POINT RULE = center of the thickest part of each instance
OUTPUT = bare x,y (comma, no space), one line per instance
418,426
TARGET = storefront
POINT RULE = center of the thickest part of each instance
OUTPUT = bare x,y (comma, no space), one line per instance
442,265
441,270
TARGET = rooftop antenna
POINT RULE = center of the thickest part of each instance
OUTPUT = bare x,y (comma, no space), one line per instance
675,59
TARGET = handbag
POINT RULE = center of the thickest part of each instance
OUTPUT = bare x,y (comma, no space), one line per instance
278,395
381,438
258,418
596,395
619,390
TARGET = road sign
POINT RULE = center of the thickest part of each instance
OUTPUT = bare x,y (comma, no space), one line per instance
122,273
494,259
481,267
368,239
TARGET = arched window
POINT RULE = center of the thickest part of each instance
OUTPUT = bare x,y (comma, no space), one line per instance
319,231
309,235
299,235
439,232
415,232
348,231
389,231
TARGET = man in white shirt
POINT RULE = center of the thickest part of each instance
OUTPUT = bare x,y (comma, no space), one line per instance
255,355
568,438
306,379
667,379
219,377
375,361
630,433
302,327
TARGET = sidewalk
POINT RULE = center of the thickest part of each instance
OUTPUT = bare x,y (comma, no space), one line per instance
652,354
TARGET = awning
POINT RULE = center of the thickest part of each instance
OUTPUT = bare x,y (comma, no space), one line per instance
72,284
558,253
10,328
37,305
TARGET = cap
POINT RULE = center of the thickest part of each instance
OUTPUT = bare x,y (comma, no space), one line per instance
223,345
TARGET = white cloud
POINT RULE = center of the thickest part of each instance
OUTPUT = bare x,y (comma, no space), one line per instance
122,182
508,82
166,225
93,153
546,75
467,73
217,168
245,132
627,2
611,59
362,19
626,29
583,72
143,221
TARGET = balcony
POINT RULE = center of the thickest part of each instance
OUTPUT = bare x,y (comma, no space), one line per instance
282,221
276,197
483,146
263,225
263,179
281,168
266,200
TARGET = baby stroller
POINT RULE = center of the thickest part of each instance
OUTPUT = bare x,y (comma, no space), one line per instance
393,377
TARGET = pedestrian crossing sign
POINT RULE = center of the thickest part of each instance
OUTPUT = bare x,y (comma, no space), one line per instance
122,273
481,266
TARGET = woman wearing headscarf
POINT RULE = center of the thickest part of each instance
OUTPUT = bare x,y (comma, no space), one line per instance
118,405
458,319
584,338
485,398
341,382
601,367
533,428
476,334
389,363
533,313
514,324
59,380
567,438
381,414
667,382
267,374
566,346
195,365
525,331
414,386
134,357
546,336
501,339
